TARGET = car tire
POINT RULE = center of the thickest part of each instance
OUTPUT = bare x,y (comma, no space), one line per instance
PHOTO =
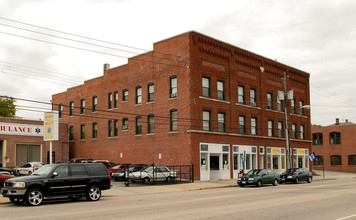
146,180
259,183
169,179
18,173
296,180
29,172
310,179
93,193
275,182
34,197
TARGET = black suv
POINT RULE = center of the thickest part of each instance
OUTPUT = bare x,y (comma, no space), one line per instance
58,180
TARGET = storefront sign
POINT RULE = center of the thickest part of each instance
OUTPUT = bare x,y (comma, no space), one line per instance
276,150
51,126
21,129
301,152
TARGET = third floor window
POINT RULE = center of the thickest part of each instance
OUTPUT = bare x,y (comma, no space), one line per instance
109,100
221,90
95,103
241,94
206,87
253,99
138,95
150,92
71,108
173,87
82,106
125,95
269,100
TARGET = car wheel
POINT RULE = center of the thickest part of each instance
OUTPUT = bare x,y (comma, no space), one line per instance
169,179
29,172
275,182
296,180
93,193
146,180
75,198
310,179
241,185
34,197
18,173
259,183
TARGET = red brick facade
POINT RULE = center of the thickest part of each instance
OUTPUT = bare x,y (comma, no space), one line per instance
341,151
8,143
189,57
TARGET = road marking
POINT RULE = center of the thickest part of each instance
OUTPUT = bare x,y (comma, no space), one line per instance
350,216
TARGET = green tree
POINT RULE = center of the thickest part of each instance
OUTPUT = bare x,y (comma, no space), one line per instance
7,107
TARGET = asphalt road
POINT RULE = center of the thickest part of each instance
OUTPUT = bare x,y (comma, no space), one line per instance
332,199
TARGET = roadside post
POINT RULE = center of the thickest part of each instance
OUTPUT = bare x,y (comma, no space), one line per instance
51,130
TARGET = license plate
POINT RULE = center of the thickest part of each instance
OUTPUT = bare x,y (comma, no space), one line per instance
290,177
243,182
283,179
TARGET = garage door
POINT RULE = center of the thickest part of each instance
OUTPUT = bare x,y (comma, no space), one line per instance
27,153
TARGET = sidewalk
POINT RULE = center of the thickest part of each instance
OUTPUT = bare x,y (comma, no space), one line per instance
119,189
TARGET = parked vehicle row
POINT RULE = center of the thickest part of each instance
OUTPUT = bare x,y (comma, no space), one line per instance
260,177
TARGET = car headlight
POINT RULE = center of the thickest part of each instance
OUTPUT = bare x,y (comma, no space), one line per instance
239,178
19,185
250,178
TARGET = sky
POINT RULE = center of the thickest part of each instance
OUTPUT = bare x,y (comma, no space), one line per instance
316,36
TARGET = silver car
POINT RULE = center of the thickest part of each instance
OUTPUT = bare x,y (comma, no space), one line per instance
28,168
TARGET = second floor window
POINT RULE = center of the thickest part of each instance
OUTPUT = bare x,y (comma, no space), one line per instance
173,87
82,131
125,95
173,120
221,122
206,86
60,111
269,101
221,90
138,125
95,103
280,105
82,106
110,128
317,139
150,92
116,99
280,129
294,131
241,94
253,100
206,121
110,100
302,132
116,128
242,124
270,128
125,124
335,138
71,108
138,95
95,130
253,126
151,124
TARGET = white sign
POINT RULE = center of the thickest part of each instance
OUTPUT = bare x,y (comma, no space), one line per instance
21,129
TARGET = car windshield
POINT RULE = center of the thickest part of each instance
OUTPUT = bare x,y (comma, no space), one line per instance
291,171
45,170
253,172
148,169
116,166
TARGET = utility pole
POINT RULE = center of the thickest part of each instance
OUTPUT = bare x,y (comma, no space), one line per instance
289,157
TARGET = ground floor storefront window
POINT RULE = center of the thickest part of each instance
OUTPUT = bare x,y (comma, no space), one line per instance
214,161
301,158
276,159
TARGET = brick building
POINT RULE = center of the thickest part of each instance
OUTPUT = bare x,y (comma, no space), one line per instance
192,100
21,141
334,146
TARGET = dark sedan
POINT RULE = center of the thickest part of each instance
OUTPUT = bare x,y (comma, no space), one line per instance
296,175
259,177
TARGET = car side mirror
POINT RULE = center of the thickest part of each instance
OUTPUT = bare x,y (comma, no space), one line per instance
54,174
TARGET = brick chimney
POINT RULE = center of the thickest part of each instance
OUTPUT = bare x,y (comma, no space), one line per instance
106,67
337,121
346,120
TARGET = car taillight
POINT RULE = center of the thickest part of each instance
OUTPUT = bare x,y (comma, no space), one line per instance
36,168
110,179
